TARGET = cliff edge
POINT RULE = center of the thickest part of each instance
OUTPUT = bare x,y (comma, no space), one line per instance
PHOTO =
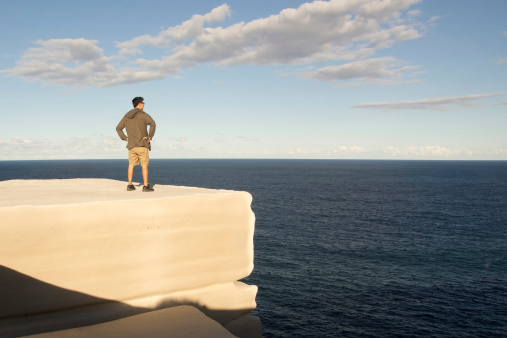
82,252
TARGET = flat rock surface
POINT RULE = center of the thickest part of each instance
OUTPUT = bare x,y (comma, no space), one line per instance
83,190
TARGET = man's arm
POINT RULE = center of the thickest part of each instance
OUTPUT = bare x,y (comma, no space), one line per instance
153,126
119,129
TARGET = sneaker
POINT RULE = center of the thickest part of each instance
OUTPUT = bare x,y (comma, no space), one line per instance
130,187
148,188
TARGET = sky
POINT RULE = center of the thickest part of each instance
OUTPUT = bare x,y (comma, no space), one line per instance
288,79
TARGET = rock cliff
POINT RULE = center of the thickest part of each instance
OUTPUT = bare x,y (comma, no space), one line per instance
83,252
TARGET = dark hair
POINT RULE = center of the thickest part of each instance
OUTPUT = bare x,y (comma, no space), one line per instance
137,100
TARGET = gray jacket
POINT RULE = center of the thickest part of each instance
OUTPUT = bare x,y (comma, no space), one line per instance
136,122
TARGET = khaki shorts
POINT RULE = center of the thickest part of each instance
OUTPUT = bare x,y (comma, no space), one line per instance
139,155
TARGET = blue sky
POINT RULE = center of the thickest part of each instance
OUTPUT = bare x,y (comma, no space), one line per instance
343,79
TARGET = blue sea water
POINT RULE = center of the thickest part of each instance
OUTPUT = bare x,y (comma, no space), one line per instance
356,248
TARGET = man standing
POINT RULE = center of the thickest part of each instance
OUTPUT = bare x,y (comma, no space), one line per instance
138,140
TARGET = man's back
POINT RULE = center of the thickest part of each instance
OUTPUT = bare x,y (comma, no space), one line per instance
136,122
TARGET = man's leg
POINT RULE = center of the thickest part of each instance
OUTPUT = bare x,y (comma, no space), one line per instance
130,173
145,174
133,160
145,160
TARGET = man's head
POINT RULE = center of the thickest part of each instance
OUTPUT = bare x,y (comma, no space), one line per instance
136,101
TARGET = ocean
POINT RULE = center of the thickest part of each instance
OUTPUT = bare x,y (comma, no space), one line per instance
349,248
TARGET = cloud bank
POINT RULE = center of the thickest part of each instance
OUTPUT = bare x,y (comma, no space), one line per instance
336,31
72,148
112,147
435,150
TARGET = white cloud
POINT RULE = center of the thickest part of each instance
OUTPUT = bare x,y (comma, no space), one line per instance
75,61
350,149
325,152
497,151
317,31
441,152
430,104
385,70
188,30
433,19
414,13
302,151
320,31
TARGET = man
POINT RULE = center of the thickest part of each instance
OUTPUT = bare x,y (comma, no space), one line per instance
138,140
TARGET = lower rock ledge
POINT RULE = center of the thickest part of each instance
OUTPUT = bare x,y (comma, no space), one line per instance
179,322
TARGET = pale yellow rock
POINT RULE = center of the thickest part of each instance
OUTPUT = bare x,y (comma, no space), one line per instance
81,251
